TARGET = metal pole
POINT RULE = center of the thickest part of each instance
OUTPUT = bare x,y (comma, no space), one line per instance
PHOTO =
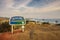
12,29
23,28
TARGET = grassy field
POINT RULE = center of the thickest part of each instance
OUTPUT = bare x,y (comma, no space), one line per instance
34,32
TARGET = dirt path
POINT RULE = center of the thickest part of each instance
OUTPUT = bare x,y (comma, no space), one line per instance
8,35
5,36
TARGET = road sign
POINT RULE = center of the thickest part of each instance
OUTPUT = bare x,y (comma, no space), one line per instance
17,20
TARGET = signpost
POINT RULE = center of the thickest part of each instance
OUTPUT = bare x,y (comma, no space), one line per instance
17,20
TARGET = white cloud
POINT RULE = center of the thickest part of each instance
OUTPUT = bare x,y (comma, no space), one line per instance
23,4
50,7
26,11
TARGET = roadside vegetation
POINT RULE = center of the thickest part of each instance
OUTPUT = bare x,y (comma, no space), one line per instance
5,27
34,31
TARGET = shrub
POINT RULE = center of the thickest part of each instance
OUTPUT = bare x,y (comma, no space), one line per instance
4,27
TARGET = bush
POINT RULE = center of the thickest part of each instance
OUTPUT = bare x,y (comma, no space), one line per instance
45,23
4,27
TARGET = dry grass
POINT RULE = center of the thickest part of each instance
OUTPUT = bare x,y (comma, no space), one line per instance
38,32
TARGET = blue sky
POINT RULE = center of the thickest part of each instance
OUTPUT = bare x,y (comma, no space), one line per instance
39,3
30,8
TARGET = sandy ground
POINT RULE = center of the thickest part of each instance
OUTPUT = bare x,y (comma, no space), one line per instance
34,32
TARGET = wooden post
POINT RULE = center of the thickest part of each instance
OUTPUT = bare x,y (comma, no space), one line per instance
12,29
